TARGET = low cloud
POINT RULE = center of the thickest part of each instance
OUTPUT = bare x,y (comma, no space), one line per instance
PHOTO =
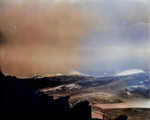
41,37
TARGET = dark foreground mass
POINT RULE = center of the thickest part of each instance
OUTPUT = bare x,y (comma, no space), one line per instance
66,97
21,100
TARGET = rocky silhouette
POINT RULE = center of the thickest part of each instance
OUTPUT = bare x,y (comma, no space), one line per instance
20,100
122,117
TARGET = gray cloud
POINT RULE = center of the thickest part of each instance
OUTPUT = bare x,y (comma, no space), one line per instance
118,38
123,43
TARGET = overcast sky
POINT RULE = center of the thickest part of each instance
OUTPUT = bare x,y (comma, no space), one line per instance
123,42
94,37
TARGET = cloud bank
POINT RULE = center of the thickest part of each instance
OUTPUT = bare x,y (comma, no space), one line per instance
41,37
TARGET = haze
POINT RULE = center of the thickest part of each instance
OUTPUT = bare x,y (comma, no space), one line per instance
100,37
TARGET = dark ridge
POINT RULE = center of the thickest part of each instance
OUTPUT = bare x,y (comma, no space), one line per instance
20,100
122,117
1,75
58,80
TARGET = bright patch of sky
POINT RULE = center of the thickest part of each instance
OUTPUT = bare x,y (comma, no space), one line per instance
122,42
130,72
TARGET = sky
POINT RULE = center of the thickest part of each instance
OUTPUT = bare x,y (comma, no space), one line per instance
123,43
92,37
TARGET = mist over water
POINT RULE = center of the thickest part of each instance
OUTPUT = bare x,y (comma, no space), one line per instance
41,37
139,103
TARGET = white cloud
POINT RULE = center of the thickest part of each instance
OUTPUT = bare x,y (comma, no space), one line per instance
130,72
